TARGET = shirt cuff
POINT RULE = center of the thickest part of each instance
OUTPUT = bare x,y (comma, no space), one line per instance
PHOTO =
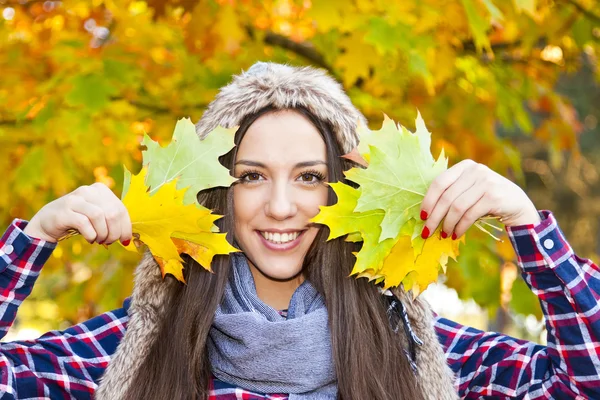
16,244
539,246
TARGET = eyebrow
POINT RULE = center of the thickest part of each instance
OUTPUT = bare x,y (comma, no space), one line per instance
299,165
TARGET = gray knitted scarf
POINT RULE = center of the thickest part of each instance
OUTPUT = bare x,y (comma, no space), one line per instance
252,346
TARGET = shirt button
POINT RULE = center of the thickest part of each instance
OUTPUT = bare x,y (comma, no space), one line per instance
549,244
8,249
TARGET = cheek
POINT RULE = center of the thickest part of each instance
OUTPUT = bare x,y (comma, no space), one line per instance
245,203
244,210
311,201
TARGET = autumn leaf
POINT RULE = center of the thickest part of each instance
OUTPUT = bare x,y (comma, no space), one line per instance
178,172
193,161
389,261
157,218
342,219
402,165
400,170
202,246
436,252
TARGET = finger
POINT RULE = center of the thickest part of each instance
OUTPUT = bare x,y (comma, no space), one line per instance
94,213
440,184
83,225
442,207
112,215
117,217
478,210
461,206
110,205
126,226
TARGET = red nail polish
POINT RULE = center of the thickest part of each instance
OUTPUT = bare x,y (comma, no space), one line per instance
444,235
100,242
126,243
425,233
454,236
424,215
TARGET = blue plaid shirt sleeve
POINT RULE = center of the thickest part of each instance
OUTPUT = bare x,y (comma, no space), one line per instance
21,259
493,365
60,364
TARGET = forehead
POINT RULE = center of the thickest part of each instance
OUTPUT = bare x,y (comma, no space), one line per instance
282,137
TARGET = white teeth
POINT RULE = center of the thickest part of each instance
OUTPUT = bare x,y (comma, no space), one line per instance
280,238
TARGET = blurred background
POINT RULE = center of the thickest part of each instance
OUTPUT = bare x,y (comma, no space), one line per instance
509,83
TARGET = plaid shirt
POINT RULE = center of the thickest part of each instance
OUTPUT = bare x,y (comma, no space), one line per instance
69,363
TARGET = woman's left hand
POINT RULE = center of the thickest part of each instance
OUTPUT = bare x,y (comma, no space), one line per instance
468,191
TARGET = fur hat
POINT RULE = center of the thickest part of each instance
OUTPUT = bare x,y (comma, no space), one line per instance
281,86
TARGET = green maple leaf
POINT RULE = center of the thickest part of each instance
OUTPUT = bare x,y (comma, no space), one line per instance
195,162
400,170
343,220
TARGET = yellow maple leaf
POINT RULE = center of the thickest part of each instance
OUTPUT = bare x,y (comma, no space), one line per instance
435,255
203,246
402,264
397,264
158,218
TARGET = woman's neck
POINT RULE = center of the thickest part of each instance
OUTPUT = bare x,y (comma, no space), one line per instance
273,292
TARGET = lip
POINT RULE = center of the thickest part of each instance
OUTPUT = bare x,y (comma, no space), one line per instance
284,246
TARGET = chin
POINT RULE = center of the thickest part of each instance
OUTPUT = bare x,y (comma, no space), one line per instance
279,274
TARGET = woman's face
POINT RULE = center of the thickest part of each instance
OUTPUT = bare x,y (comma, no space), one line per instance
281,165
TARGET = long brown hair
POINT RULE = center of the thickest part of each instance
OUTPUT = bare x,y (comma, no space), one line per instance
369,360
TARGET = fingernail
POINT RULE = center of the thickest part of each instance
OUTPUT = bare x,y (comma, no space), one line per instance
126,242
101,242
444,235
425,233
454,236
423,215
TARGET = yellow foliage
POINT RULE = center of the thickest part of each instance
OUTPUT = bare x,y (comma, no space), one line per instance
158,218
82,81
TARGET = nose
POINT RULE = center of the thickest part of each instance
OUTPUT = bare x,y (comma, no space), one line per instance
281,204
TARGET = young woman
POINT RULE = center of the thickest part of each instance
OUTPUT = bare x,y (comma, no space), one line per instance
282,319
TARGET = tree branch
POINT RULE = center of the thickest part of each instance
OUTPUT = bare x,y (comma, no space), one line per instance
588,13
12,122
471,48
305,49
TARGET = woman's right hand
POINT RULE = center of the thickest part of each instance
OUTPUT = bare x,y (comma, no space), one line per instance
94,211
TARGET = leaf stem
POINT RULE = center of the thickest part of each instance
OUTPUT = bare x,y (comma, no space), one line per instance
482,220
70,233
478,225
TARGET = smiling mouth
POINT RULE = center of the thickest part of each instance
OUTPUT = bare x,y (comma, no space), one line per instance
280,238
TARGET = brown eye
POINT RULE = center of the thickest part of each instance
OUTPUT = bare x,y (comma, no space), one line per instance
250,177
308,178
311,177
